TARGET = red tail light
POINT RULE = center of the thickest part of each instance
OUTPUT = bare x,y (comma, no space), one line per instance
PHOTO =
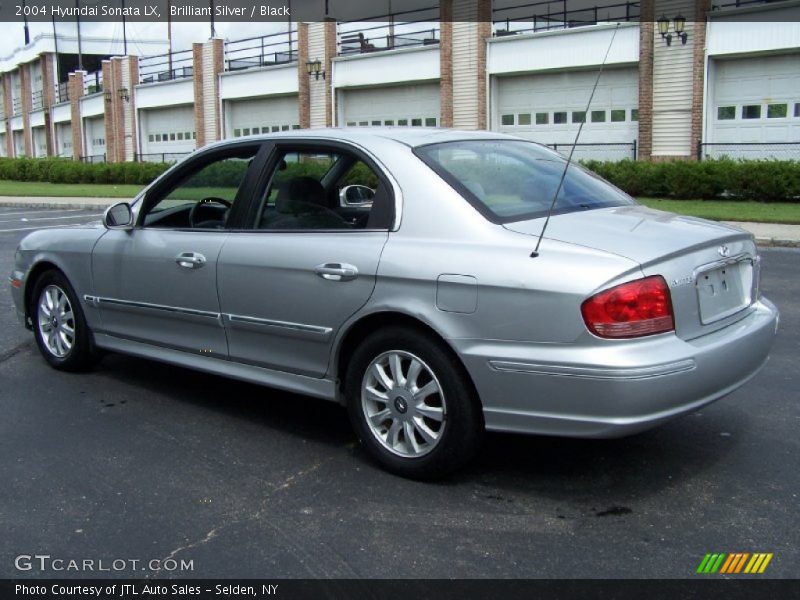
633,309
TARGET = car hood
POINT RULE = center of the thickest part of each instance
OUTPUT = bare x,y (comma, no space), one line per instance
635,232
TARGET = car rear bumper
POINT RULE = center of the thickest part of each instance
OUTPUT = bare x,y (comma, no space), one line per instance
618,388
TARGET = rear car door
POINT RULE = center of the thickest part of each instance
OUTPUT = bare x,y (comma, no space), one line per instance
307,259
157,283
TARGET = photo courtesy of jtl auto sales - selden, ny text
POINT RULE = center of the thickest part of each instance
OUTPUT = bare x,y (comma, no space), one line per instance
400,299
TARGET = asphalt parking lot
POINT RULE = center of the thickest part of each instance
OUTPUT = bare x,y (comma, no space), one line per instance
138,460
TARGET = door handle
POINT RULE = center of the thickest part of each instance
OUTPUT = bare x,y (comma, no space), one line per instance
190,260
336,271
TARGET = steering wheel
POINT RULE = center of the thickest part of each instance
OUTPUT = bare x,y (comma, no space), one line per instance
195,210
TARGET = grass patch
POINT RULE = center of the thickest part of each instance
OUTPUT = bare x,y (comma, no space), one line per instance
720,210
60,190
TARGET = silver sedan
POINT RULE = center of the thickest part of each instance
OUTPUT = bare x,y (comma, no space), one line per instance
393,271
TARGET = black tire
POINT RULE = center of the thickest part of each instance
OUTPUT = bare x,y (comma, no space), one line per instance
81,355
462,423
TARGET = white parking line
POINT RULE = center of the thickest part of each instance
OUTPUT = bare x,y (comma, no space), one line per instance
26,220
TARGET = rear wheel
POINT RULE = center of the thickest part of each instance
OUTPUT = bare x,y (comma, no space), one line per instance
59,326
412,404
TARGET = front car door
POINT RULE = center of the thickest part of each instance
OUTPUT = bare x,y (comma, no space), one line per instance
157,283
307,260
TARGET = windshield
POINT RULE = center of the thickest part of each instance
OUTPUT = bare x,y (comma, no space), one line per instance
508,180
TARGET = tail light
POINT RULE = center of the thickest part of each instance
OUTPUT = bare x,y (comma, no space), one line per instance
633,309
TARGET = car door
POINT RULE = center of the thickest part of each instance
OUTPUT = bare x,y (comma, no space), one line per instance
157,282
291,279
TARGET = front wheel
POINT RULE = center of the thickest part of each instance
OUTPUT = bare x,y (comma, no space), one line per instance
59,326
412,404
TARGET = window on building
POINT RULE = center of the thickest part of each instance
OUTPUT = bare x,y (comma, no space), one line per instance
559,118
797,109
158,137
777,111
751,111
194,135
430,122
171,137
402,122
151,138
726,113
180,135
634,114
275,128
389,122
598,116
579,116
237,132
376,123
246,131
507,120
295,126
351,123
542,118
416,122
617,116
363,123
524,119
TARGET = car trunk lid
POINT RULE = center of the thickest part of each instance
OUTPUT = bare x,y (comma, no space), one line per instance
711,268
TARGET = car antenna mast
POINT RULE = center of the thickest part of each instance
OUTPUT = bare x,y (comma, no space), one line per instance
535,252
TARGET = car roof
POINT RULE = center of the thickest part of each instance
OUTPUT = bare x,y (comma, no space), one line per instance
409,136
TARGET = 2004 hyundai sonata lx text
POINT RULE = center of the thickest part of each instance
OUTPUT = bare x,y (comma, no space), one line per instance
392,270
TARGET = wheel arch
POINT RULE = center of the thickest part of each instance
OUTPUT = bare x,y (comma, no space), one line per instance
362,327
30,281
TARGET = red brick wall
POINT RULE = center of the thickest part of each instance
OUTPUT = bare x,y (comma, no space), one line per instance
304,94
199,116
75,94
646,30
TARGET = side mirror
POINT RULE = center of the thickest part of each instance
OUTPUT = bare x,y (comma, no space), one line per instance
356,196
118,216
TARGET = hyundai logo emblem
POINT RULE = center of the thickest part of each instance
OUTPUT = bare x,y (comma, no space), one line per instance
724,251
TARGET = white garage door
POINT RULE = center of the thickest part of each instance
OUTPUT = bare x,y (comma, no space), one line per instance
261,115
64,139
95,136
548,108
407,105
3,150
755,101
167,133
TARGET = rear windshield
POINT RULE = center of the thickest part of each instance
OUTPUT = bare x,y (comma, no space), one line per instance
508,180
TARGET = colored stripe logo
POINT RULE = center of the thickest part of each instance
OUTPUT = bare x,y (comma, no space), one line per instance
735,563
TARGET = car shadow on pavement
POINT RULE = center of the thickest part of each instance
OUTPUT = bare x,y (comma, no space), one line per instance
559,468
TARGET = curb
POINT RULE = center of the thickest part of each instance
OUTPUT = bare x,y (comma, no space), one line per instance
68,205
777,243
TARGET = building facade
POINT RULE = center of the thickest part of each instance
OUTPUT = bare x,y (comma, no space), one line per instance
681,79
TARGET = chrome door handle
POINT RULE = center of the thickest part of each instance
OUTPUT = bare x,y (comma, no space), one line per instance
336,271
190,260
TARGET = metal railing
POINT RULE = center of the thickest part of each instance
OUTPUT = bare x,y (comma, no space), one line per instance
93,83
749,150
273,49
419,27
166,67
62,92
599,150
736,3
94,158
37,99
509,17
16,105
160,157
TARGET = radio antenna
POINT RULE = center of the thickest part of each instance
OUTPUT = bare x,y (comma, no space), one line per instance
535,252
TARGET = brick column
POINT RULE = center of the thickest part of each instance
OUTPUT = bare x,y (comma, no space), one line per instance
446,63
208,61
303,88
48,99
484,35
8,107
109,117
698,72
646,30
25,90
330,52
75,86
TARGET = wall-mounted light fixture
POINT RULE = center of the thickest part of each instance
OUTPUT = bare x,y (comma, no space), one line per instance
123,94
678,24
314,67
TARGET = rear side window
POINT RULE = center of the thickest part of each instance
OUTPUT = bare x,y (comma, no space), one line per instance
508,180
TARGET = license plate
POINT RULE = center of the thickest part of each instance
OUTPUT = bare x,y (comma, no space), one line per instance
724,291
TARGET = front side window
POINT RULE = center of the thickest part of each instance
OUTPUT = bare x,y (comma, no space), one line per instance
324,190
200,197
514,180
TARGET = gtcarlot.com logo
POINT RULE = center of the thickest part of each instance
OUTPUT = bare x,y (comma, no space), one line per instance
45,562
735,563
